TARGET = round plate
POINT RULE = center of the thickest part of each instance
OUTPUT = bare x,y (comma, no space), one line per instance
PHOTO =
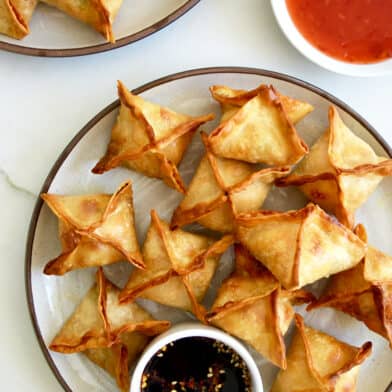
52,299
55,34
302,45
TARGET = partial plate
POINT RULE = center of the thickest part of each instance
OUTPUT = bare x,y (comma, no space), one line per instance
302,45
52,299
55,34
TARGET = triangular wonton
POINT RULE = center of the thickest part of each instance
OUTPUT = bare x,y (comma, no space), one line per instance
251,305
221,188
150,139
94,230
317,362
15,16
99,14
257,126
364,292
340,171
111,334
179,267
299,247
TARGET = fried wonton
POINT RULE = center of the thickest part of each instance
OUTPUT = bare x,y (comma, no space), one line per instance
257,126
94,230
150,139
364,292
252,306
299,247
340,172
110,334
179,267
222,188
99,14
317,362
15,16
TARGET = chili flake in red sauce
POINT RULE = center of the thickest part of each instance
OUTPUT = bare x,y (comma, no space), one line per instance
355,31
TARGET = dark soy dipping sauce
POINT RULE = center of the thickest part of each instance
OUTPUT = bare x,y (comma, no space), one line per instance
196,364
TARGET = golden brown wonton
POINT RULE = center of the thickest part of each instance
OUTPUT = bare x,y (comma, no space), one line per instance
252,306
15,16
94,230
222,188
99,14
150,139
179,267
299,247
340,172
317,362
257,126
364,292
111,334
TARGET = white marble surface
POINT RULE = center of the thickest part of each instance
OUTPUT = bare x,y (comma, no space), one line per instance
44,102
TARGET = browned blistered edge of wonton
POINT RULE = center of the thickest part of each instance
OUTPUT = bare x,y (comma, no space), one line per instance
110,160
241,97
198,262
182,216
253,218
383,168
125,187
110,336
273,98
21,26
90,340
88,231
330,380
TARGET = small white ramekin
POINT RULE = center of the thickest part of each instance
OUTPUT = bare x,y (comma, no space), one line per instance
191,329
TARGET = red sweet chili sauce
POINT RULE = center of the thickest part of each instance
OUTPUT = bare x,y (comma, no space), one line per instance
355,31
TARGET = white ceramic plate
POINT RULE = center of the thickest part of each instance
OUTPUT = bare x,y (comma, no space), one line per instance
55,34
52,299
296,38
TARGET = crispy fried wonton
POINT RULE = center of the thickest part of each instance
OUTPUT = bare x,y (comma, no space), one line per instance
99,14
15,16
111,334
252,306
150,139
317,362
340,172
257,126
179,267
364,292
299,247
222,188
94,230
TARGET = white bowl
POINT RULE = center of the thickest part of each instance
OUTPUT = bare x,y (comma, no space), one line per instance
296,38
189,329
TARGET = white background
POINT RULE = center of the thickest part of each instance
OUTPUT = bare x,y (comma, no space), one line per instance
44,102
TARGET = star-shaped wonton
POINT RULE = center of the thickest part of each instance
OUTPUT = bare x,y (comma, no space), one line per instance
94,230
179,267
364,292
251,305
99,14
15,16
221,188
150,139
317,362
110,334
340,171
299,247
257,126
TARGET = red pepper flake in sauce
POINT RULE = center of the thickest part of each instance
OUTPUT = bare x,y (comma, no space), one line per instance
355,31
196,364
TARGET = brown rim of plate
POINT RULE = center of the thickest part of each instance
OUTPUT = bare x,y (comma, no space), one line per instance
75,140
20,49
